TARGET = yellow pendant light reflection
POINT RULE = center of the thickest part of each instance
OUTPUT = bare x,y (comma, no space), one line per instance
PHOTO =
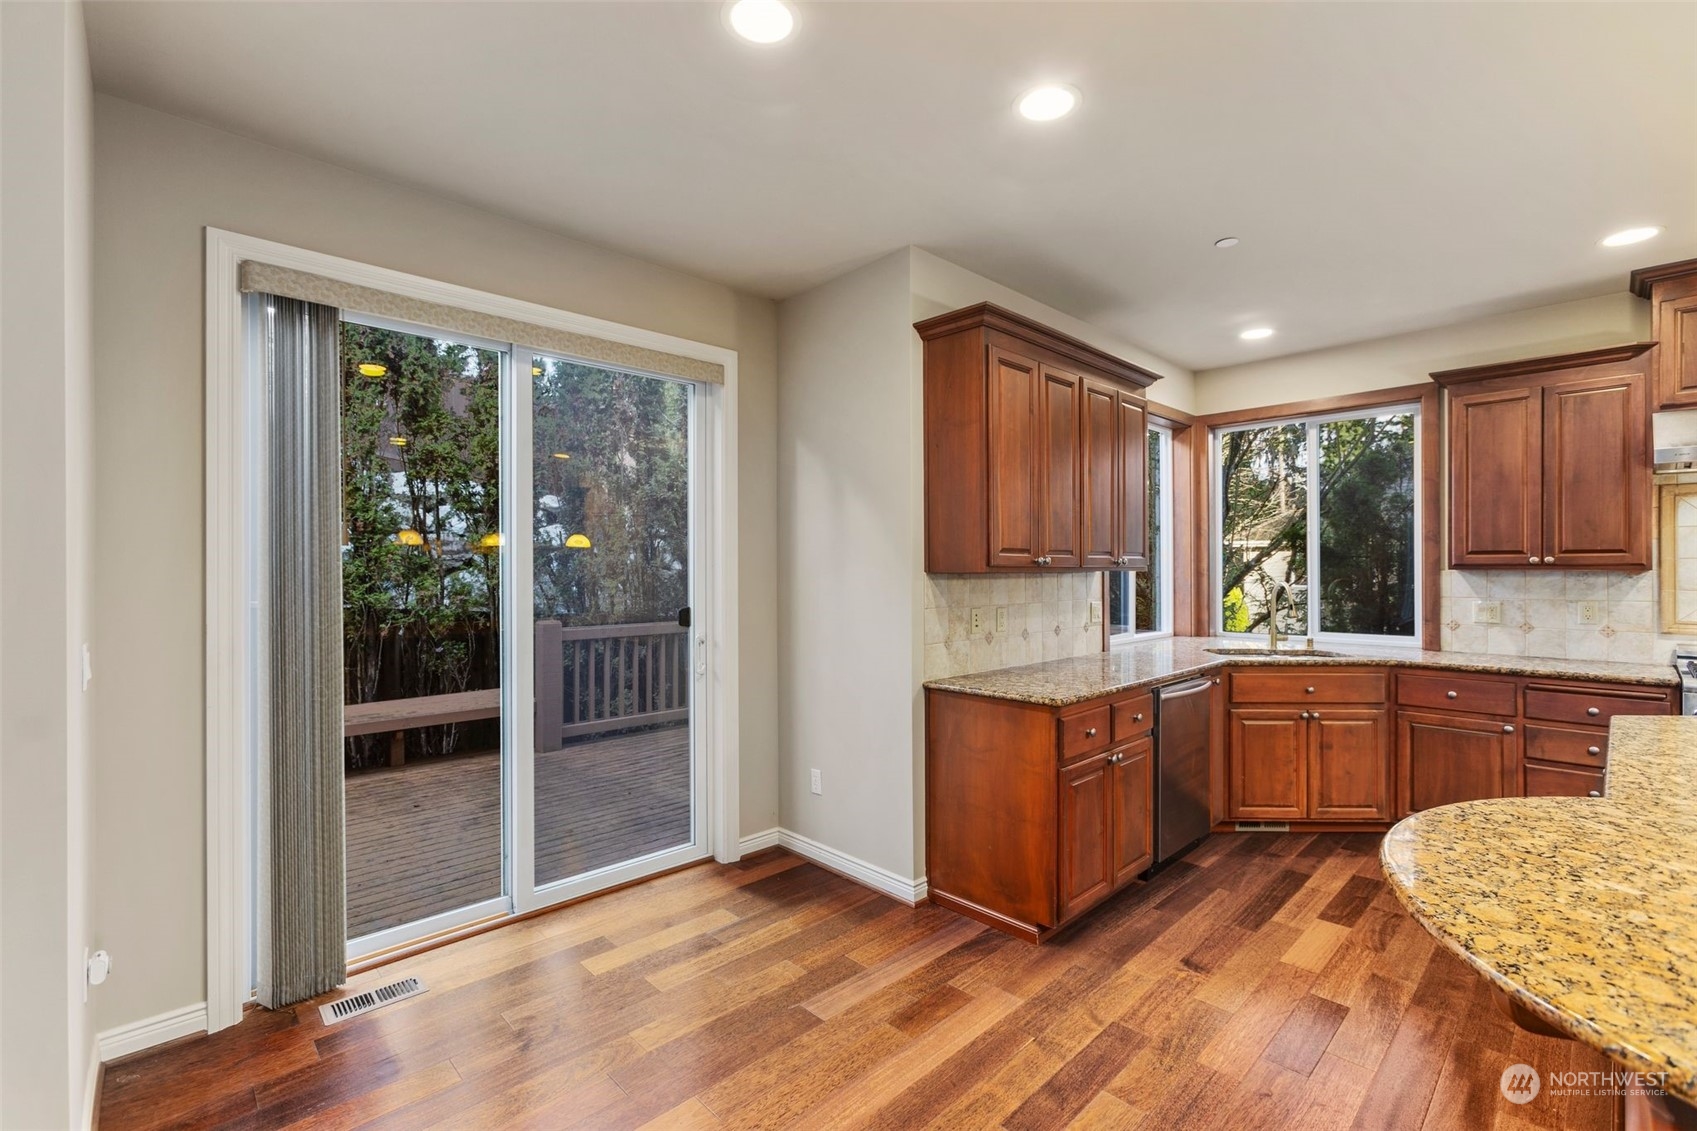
409,537
372,369
577,542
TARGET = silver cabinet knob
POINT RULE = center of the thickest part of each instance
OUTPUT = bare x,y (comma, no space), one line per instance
1508,729
1449,695
1216,681
1137,718
1593,793
1304,715
1593,711
1310,690
1593,750
1549,561
1091,733
1313,714
1045,560
1533,559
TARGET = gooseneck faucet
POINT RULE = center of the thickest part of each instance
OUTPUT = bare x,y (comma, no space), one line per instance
1274,636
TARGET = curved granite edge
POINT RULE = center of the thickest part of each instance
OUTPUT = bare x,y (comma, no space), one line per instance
1583,910
1062,683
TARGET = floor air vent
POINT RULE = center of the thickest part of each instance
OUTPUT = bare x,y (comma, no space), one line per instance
344,1008
1263,827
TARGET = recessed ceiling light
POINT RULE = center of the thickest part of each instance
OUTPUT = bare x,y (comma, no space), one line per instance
761,21
1630,235
1229,241
1256,333
1046,103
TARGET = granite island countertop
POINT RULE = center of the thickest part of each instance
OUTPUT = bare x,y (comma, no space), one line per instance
1582,910
1061,683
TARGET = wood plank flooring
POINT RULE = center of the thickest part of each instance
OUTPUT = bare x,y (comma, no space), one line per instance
1266,981
426,837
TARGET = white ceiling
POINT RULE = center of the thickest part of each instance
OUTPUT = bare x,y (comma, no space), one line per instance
1387,167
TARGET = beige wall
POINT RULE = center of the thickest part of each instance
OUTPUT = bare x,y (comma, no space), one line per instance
46,1034
1407,359
158,181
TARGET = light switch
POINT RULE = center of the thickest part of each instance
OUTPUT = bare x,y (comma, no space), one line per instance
1487,612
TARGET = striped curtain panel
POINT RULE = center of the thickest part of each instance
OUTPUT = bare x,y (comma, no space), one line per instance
302,924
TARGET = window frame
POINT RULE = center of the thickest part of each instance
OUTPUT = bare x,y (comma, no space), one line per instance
1416,407
1165,555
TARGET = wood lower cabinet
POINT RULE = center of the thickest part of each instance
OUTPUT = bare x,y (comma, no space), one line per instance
1035,814
1269,760
1349,767
1443,758
1549,462
1034,448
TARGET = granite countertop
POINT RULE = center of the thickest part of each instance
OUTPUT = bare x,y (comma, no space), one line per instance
1582,910
1061,683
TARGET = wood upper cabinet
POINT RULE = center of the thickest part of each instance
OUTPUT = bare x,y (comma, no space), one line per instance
1550,461
1672,291
1034,448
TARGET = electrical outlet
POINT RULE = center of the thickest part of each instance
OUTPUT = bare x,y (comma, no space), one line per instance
977,622
816,780
1095,613
1589,612
1487,612
1001,619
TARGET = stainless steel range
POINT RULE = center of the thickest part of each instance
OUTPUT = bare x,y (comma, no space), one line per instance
1685,661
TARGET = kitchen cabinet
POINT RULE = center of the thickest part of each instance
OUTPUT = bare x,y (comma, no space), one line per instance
1672,291
1549,462
1296,754
1034,448
1442,759
1035,814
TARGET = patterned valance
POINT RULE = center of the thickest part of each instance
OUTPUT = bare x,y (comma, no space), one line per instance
267,278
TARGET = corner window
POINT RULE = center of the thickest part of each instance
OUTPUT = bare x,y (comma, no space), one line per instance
1140,603
1322,515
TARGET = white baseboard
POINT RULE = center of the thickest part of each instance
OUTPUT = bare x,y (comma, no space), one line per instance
122,1040
880,880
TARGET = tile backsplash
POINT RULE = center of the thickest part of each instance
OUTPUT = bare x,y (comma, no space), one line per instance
1540,614
1048,619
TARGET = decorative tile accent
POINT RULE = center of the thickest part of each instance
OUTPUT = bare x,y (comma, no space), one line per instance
1046,615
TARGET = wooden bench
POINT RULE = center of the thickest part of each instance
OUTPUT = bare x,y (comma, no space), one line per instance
397,716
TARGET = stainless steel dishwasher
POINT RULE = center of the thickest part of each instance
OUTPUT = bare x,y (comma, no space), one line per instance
1183,723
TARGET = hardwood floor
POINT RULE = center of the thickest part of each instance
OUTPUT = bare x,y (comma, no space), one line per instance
1266,981
426,837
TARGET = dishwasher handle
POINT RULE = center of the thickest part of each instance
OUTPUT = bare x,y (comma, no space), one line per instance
1180,690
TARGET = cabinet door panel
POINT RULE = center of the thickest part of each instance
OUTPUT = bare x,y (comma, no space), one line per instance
1495,478
1134,815
1596,472
1133,526
1086,862
1269,763
1349,765
1058,530
1447,758
1100,457
1014,453
1674,326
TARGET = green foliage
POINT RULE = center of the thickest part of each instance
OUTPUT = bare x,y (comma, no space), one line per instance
1237,613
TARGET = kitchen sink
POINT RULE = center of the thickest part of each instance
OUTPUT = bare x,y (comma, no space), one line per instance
1296,653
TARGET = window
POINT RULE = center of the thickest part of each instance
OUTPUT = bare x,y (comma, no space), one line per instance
1321,514
1141,603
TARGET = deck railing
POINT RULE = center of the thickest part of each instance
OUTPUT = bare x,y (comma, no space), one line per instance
598,678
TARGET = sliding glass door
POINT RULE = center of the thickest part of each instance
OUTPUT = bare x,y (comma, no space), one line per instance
520,666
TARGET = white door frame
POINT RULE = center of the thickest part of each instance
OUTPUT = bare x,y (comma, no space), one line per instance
231,708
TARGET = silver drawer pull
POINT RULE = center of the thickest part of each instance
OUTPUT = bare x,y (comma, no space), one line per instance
1310,690
1593,793
1508,730
1091,733
1449,695
1593,750
1137,718
1593,711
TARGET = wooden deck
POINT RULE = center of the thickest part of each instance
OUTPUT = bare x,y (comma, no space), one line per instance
426,838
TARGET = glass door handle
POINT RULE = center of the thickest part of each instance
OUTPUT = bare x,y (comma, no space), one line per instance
700,657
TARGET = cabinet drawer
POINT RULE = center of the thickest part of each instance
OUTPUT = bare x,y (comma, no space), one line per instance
1452,693
1589,748
1086,732
1133,717
1307,687
1587,705
1562,781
